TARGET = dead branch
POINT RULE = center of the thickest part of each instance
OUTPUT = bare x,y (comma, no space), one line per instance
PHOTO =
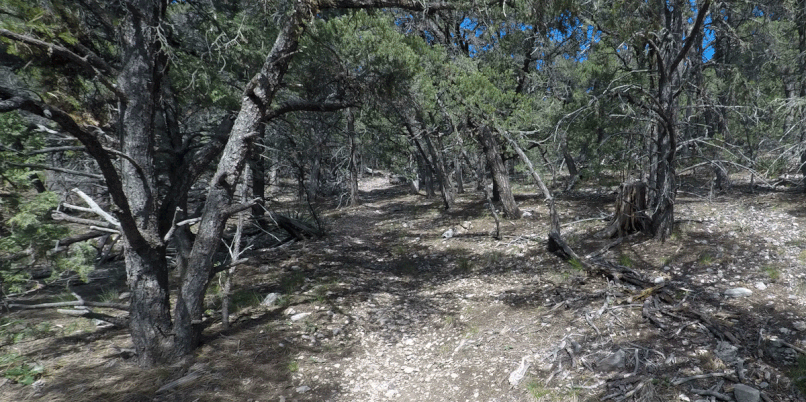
119,322
117,306
61,216
697,377
56,169
64,243
96,208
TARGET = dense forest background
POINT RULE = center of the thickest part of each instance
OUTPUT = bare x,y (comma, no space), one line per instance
150,131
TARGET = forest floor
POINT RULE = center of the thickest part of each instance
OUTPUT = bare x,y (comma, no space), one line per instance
385,307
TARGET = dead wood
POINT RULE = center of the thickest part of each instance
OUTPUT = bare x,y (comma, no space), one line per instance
630,211
295,228
119,322
62,244
117,306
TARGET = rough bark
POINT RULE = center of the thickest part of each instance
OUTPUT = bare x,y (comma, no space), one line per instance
493,154
669,55
630,211
353,165
145,218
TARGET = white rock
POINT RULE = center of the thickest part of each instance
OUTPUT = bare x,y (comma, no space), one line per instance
270,299
659,279
447,234
299,316
303,389
738,292
799,325
760,286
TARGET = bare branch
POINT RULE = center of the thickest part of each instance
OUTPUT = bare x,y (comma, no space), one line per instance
120,322
56,169
89,62
96,208
17,99
116,306
56,149
307,106
61,216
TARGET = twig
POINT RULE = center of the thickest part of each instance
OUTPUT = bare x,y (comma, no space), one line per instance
717,395
697,377
118,306
588,320
632,392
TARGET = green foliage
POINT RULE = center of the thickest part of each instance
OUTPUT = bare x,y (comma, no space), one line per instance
13,331
80,259
245,298
16,369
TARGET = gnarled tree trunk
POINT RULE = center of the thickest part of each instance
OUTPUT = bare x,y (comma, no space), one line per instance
493,153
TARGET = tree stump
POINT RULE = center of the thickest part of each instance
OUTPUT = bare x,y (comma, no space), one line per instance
630,212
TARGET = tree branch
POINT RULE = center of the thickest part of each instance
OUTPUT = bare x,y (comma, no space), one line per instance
56,169
692,35
307,106
90,62
96,208
119,322
116,306
16,99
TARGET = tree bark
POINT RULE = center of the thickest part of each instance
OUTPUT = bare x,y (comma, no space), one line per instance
500,177
353,165
630,211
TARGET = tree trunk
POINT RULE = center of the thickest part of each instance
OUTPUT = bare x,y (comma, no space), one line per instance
146,265
353,165
493,153
438,162
256,99
149,314
460,182
630,211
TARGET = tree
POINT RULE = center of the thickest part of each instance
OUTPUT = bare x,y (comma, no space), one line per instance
145,215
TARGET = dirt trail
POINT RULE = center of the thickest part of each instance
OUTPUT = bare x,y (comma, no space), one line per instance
387,308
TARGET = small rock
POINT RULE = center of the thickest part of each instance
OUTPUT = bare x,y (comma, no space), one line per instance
744,393
799,325
526,214
270,299
614,361
684,398
659,279
726,352
303,389
738,292
299,316
408,370
448,234
289,311
760,286
784,330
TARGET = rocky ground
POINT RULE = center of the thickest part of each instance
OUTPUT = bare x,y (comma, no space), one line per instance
403,301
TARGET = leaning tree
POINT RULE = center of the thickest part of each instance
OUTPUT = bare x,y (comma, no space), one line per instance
135,80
